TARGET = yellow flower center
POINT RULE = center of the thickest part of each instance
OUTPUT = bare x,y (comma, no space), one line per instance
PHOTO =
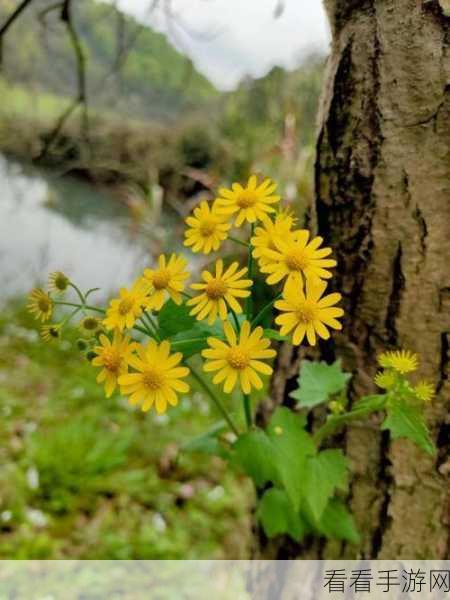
306,313
44,304
152,379
238,359
111,360
296,260
126,305
161,279
215,289
246,199
208,227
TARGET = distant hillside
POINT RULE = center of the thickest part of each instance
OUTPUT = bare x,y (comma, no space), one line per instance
154,81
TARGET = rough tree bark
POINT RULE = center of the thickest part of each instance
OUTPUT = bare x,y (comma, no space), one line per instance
383,204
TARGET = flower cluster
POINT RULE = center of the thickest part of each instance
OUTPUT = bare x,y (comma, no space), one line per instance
396,364
230,338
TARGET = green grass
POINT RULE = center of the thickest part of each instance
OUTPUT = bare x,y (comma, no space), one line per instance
86,477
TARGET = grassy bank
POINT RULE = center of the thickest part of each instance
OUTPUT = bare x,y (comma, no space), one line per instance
85,477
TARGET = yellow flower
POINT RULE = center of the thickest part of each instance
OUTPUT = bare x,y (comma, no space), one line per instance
219,291
114,358
308,314
158,378
50,333
207,229
125,310
385,379
166,281
90,326
251,202
401,361
264,236
58,282
424,391
239,360
40,305
295,258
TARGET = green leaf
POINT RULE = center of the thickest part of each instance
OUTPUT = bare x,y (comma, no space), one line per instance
406,420
291,446
337,523
277,516
253,452
194,340
369,404
318,381
324,473
272,334
208,442
174,319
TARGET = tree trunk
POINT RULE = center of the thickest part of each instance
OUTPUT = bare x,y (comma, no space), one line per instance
383,204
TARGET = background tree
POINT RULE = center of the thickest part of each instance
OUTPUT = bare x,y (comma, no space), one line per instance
383,204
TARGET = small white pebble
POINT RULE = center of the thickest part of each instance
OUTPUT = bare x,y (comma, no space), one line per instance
159,522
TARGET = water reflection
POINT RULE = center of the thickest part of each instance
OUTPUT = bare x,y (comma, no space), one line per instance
60,224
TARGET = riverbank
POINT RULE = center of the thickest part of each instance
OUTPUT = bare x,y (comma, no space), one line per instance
107,149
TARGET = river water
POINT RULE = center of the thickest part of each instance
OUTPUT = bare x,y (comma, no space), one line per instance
50,223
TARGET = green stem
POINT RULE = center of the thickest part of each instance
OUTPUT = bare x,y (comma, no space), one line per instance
80,295
262,313
152,326
335,422
236,320
248,302
237,241
86,306
147,329
247,410
215,400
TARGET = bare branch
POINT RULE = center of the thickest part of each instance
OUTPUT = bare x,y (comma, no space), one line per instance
81,98
10,20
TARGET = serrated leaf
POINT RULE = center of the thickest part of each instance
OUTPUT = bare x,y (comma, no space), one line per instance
406,420
277,516
318,381
208,442
324,473
173,319
291,447
253,452
337,523
272,334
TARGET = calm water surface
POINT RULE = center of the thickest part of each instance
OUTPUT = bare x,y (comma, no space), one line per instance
52,223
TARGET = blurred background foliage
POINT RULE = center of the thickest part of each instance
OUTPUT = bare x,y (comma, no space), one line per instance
81,476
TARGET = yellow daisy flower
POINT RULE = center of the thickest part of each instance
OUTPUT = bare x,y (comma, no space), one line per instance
114,358
251,202
401,361
166,281
158,377
238,361
58,282
90,326
219,291
50,333
385,379
207,229
264,236
424,391
40,305
308,314
125,310
295,258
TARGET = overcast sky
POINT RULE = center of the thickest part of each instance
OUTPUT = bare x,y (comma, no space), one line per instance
228,39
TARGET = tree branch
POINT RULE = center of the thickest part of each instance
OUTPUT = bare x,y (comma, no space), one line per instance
9,21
